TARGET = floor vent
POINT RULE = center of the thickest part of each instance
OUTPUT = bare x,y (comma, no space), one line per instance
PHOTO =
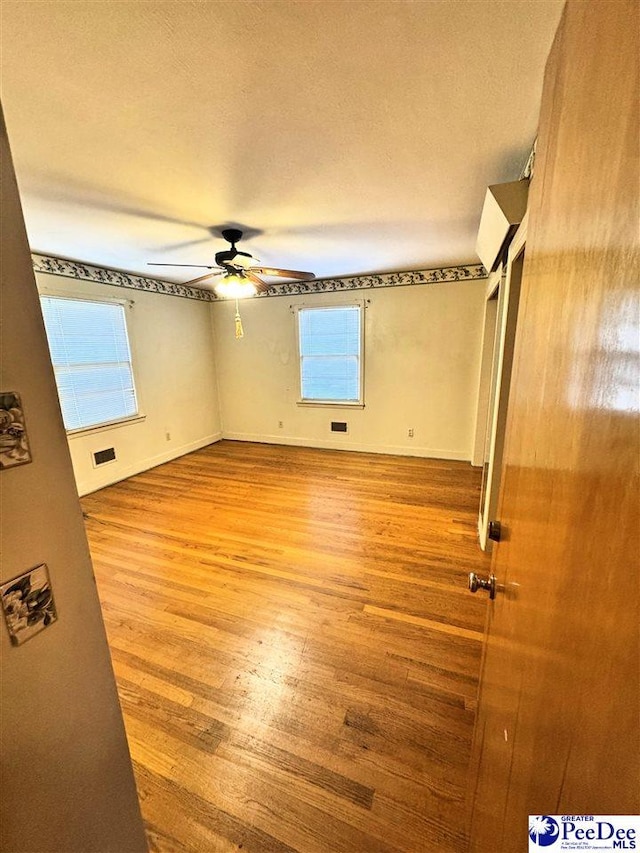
101,457
338,426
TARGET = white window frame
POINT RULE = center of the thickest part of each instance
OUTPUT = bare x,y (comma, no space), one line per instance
139,416
340,404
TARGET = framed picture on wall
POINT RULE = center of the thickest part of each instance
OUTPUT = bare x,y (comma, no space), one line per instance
14,442
27,602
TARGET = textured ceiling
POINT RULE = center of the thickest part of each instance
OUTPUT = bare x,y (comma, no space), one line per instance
349,136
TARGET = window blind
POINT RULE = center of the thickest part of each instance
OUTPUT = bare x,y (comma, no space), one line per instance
91,360
330,353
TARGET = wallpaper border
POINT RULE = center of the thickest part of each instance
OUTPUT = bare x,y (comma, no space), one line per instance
440,275
118,278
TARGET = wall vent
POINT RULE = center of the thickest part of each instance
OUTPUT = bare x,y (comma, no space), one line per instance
101,457
338,426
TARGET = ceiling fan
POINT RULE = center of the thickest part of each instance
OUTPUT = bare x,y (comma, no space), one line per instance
239,277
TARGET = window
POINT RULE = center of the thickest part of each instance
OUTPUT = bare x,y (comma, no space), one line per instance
330,342
91,360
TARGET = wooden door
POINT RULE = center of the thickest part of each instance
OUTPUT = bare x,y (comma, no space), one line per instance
557,728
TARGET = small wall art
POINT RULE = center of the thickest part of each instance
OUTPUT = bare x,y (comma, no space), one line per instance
14,443
27,602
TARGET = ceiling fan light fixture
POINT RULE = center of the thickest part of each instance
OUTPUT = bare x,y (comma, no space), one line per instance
235,287
241,277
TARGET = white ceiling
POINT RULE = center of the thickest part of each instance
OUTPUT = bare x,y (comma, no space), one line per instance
352,136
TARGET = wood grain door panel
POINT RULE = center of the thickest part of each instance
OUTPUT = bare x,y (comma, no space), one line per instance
561,665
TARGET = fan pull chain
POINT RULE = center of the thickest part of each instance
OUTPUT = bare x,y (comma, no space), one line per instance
239,329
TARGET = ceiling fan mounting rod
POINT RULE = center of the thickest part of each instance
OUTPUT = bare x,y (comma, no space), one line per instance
232,235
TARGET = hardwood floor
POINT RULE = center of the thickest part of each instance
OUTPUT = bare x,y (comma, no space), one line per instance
296,652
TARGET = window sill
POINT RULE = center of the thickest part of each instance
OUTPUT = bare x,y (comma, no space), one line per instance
78,433
333,404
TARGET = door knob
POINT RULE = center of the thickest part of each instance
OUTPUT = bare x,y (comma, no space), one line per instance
476,583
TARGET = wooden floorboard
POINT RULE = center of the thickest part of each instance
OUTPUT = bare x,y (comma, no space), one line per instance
296,653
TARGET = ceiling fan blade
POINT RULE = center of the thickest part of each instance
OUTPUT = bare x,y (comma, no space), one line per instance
199,266
204,277
185,244
298,274
261,286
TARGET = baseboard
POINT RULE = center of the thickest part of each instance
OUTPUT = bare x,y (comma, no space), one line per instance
112,476
342,444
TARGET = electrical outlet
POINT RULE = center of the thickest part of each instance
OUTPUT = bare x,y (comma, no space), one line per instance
168,436
280,424
410,433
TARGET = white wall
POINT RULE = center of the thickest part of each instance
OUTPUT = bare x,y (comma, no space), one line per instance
421,372
173,360
67,783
